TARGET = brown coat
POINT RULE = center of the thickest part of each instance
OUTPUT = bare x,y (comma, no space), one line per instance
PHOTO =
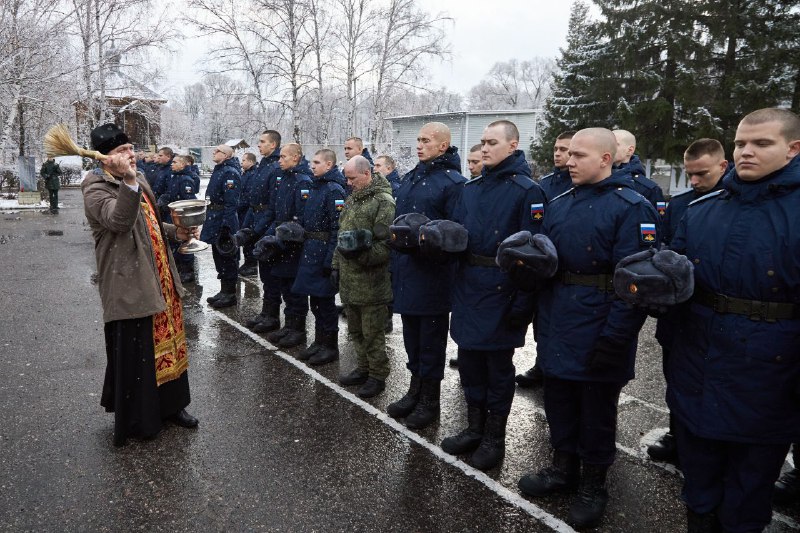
126,269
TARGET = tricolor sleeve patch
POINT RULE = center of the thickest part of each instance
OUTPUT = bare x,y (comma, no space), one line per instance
648,232
537,211
338,204
661,207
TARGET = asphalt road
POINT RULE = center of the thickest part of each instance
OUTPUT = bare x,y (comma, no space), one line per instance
281,446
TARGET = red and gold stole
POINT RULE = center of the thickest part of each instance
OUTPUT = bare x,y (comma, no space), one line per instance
169,337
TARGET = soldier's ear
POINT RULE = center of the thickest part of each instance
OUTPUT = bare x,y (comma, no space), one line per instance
794,148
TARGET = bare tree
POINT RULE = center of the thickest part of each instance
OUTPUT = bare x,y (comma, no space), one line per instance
320,38
514,85
409,38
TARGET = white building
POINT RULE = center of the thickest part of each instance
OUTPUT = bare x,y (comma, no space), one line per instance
466,128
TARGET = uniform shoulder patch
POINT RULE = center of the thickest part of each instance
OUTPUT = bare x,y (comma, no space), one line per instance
537,212
474,181
547,177
629,195
523,181
708,196
644,181
684,193
647,232
454,176
562,194
304,194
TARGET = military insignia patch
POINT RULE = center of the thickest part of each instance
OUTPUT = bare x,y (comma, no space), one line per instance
188,189
278,179
661,207
304,194
338,204
648,233
537,211
230,184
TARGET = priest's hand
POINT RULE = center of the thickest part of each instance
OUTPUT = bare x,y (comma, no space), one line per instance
184,234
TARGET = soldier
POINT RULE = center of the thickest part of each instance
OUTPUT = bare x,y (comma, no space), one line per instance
223,197
705,164
321,224
163,170
475,162
256,223
734,363
361,273
151,169
287,204
355,146
51,174
586,336
386,166
626,158
490,315
250,266
554,184
180,186
421,284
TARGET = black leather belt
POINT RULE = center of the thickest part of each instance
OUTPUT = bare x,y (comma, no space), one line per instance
216,207
753,309
318,235
482,261
602,282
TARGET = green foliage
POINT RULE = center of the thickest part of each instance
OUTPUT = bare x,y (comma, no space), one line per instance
672,71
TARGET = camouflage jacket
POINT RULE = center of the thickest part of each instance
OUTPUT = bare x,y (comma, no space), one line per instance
365,280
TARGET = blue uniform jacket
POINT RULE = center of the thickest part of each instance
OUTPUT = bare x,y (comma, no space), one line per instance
286,203
180,186
676,208
262,183
422,286
393,178
592,227
196,176
368,156
729,377
556,183
223,193
642,184
503,201
244,205
151,174
162,175
325,202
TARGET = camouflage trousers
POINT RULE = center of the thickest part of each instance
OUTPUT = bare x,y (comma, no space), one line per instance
367,327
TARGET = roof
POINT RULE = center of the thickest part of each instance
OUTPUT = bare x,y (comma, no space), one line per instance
237,143
119,85
474,113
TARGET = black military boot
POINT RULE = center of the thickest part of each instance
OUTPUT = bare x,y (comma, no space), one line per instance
354,377
186,272
664,449
315,346
702,522
492,448
454,362
228,297
562,475
470,437
271,321
532,378
249,268
329,351
371,388
296,334
250,323
427,408
403,407
212,299
589,504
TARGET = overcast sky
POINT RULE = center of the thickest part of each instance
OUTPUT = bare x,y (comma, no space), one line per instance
482,34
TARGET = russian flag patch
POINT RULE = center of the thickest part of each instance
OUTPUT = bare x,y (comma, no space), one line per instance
304,194
537,211
661,207
338,204
648,233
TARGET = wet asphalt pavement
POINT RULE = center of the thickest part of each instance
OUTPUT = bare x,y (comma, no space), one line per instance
280,446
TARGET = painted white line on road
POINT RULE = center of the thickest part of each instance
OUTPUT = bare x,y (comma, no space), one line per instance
627,398
511,497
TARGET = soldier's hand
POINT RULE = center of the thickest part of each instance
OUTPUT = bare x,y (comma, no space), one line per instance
334,279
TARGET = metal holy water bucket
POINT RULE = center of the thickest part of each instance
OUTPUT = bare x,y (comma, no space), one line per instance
188,214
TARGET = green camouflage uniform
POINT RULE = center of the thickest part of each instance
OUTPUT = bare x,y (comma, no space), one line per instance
364,282
51,173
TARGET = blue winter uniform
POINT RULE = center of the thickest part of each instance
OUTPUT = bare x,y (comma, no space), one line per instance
321,223
368,156
162,175
733,377
196,177
151,174
580,318
180,186
287,203
223,196
393,178
244,194
644,185
422,287
503,201
556,183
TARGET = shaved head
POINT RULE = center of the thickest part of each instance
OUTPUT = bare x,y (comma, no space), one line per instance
603,139
293,148
225,149
358,173
591,154
433,140
438,131
357,164
625,146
